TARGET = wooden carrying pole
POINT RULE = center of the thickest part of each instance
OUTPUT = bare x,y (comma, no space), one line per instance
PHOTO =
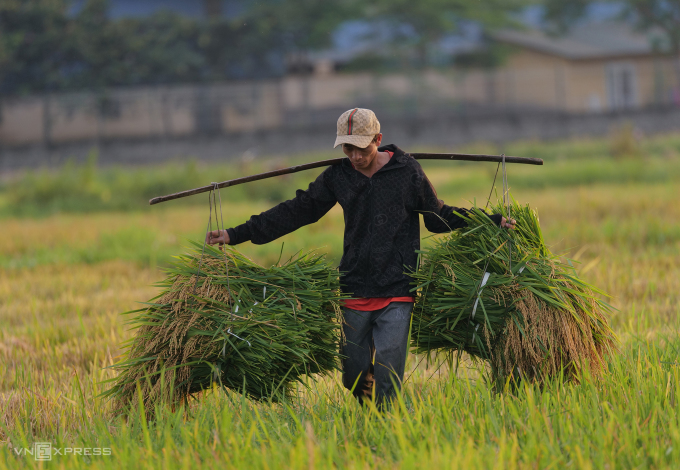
335,161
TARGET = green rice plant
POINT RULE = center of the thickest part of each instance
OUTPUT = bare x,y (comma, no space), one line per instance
221,318
503,297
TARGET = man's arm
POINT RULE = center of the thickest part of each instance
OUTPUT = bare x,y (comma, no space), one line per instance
440,218
305,208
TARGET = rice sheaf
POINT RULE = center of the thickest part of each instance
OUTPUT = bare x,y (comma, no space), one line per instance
533,318
256,330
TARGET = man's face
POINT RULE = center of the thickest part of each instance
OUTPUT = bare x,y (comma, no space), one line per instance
362,157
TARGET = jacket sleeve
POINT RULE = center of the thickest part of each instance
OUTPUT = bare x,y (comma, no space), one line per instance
438,217
305,208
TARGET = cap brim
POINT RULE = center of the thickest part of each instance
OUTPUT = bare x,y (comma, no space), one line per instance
361,141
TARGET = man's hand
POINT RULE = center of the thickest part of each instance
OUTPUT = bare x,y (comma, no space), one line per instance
217,236
508,223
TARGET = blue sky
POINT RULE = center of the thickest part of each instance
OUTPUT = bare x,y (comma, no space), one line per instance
119,8
193,8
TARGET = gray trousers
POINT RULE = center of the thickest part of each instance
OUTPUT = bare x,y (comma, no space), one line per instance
384,331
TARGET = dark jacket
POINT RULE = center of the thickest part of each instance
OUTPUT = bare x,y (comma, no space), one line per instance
382,227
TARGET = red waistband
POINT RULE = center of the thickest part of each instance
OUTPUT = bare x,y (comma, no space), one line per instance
374,303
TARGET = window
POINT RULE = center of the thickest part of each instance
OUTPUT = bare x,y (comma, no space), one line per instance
621,86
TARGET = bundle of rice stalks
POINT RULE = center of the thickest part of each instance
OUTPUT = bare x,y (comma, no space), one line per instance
257,330
502,296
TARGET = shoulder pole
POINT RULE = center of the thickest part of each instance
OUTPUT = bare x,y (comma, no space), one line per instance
335,161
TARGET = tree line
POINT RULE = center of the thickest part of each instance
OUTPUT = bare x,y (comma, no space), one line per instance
49,45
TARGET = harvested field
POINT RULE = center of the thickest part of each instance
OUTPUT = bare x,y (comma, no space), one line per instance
65,277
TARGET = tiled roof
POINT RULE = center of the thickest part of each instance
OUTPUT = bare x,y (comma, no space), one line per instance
586,41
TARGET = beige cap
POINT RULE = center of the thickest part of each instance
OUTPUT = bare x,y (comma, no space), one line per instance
357,126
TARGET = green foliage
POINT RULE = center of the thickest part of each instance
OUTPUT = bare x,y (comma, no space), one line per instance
423,23
625,142
87,187
303,24
492,56
33,44
43,47
622,203
661,15
562,15
163,48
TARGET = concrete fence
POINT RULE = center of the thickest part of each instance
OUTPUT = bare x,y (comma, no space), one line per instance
145,124
234,108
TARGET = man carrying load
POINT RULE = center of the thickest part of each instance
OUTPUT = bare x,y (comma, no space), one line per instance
382,191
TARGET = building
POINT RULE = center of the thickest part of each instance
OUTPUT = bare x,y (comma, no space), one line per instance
594,67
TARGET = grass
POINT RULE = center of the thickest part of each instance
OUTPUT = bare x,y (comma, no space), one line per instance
90,188
65,275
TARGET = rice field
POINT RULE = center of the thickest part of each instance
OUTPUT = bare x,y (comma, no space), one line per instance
67,273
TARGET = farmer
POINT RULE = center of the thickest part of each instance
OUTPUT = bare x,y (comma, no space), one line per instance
382,191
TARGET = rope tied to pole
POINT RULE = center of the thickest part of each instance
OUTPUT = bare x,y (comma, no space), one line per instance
213,197
506,203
